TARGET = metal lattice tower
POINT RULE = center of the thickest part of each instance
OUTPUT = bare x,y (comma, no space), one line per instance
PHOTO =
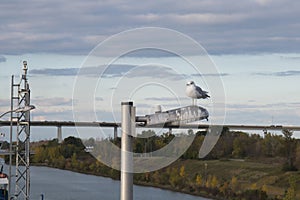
20,98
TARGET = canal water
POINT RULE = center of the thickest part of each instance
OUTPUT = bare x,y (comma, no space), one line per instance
56,184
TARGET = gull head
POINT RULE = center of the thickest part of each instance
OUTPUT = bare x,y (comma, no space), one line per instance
190,83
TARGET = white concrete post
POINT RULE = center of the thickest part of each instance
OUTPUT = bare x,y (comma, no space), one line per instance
128,122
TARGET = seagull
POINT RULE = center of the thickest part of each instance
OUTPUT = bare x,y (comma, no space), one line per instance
195,92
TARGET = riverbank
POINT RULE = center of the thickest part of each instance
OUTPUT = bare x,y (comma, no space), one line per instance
246,175
242,178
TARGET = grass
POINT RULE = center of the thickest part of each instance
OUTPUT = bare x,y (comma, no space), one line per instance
248,173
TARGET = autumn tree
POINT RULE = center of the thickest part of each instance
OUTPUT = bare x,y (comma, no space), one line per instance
182,171
234,184
199,180
174,179
224,188
214,182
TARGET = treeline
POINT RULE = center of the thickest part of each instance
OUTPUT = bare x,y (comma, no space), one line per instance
72,155
231,145
69,155
241,145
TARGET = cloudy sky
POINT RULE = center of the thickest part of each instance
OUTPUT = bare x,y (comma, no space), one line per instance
254,44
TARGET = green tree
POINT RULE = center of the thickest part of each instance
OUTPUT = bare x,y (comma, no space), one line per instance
74,161
53,154
238,150
193,150
290,149
297,155
74,141
40,154
59,162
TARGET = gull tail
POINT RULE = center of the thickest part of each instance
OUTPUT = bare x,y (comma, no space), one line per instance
206,95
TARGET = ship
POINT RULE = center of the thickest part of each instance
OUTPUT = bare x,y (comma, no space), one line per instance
3,185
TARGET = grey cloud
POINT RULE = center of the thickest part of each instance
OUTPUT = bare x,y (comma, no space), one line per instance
116,70
290,57
280,74
288,73
211,75
112,71
262,74
106,71
256,106
155,72
161,99
55,72
55,101
150,52
221,26
54,115
109,71
58,113
99,99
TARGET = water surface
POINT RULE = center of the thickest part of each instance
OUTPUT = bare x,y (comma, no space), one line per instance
58,184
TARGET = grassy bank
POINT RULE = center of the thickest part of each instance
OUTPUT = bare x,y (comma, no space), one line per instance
249,175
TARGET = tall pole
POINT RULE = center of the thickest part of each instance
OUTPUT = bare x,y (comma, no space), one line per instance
22,186
10,137
59,134
115,133
128,122
27,141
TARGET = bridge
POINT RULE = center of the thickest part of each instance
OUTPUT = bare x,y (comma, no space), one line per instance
141,124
